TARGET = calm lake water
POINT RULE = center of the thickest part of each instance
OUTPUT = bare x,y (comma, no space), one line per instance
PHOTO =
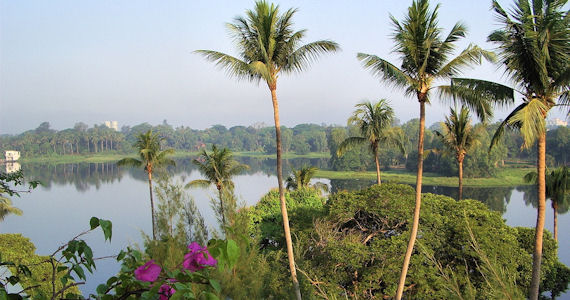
73,193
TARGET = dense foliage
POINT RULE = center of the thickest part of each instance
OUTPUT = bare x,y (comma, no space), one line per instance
352,245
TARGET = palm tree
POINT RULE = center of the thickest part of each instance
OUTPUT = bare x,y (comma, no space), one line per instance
557,189
534,47
300,179
373,121
268,45
6,208
218,167
425,58
150,157
458,136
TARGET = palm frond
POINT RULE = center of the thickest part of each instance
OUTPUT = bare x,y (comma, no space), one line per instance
471,55
349,143
306,54
506,124
385,70
232,65
531,121
201,183
130,162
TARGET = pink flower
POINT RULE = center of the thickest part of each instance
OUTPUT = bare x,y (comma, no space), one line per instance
165,292
198,258
148,272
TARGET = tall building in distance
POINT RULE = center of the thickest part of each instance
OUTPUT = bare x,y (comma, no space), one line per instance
112,125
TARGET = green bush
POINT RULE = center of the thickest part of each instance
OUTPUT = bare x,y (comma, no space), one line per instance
20,250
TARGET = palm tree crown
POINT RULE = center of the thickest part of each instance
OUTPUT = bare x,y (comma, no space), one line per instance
268,45
218,167
300,179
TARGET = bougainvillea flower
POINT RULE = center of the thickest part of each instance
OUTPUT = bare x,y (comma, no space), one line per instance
165,292
195,247
148,272
198,258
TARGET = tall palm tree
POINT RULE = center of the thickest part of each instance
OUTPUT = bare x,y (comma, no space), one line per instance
557,189
458,136
534,47
150,157
301,178
374,121
425,56
218,167
268,45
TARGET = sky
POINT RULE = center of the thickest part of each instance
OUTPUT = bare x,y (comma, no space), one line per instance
132,61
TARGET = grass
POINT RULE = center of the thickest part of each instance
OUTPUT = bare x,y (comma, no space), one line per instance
505,177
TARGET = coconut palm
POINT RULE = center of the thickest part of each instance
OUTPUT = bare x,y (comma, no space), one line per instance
6,208
268,46
218,167
150,157
458,136
374,121
534,47
299,179
425,58
557,189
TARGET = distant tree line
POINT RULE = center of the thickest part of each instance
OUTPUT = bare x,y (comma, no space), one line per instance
301,139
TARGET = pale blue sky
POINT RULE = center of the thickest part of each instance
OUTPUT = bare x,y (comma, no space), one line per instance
132,61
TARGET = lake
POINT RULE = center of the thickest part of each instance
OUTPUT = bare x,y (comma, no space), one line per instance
73,193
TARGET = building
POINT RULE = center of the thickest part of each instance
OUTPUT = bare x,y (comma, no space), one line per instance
12,155
112,125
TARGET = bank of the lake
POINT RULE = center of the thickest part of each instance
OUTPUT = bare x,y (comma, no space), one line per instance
511,175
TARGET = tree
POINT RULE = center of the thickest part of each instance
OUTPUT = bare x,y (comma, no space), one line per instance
268,46
557,189
425,57
458,136
533,46
218,167
150,157
373,122
301,179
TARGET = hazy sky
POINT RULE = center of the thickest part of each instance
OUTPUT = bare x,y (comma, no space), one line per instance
132,61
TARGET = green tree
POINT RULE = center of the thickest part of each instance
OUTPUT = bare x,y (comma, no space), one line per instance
557,189
218,167
150,157
301,179
268,46
533,46
373,122
425,57
458,136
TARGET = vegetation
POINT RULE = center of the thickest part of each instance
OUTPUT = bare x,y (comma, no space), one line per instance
269,46
151,157
301,179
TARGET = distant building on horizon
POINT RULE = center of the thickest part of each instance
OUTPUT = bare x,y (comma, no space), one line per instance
12,155
112,124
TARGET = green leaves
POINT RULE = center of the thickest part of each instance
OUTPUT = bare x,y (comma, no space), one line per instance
106,226
226,252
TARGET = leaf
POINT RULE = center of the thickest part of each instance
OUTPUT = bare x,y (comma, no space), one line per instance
216,285
107,228
211,296
112,280
79,271
24,270
121,255
94,222
101,289
61,268
13,279
232,252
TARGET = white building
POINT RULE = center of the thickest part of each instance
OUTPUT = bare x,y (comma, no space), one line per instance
112,125
12,155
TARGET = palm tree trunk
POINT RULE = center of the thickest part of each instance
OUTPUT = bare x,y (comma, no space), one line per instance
416,219
151,204
288,240
222,209
555,209
460,162
377,165
537,255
